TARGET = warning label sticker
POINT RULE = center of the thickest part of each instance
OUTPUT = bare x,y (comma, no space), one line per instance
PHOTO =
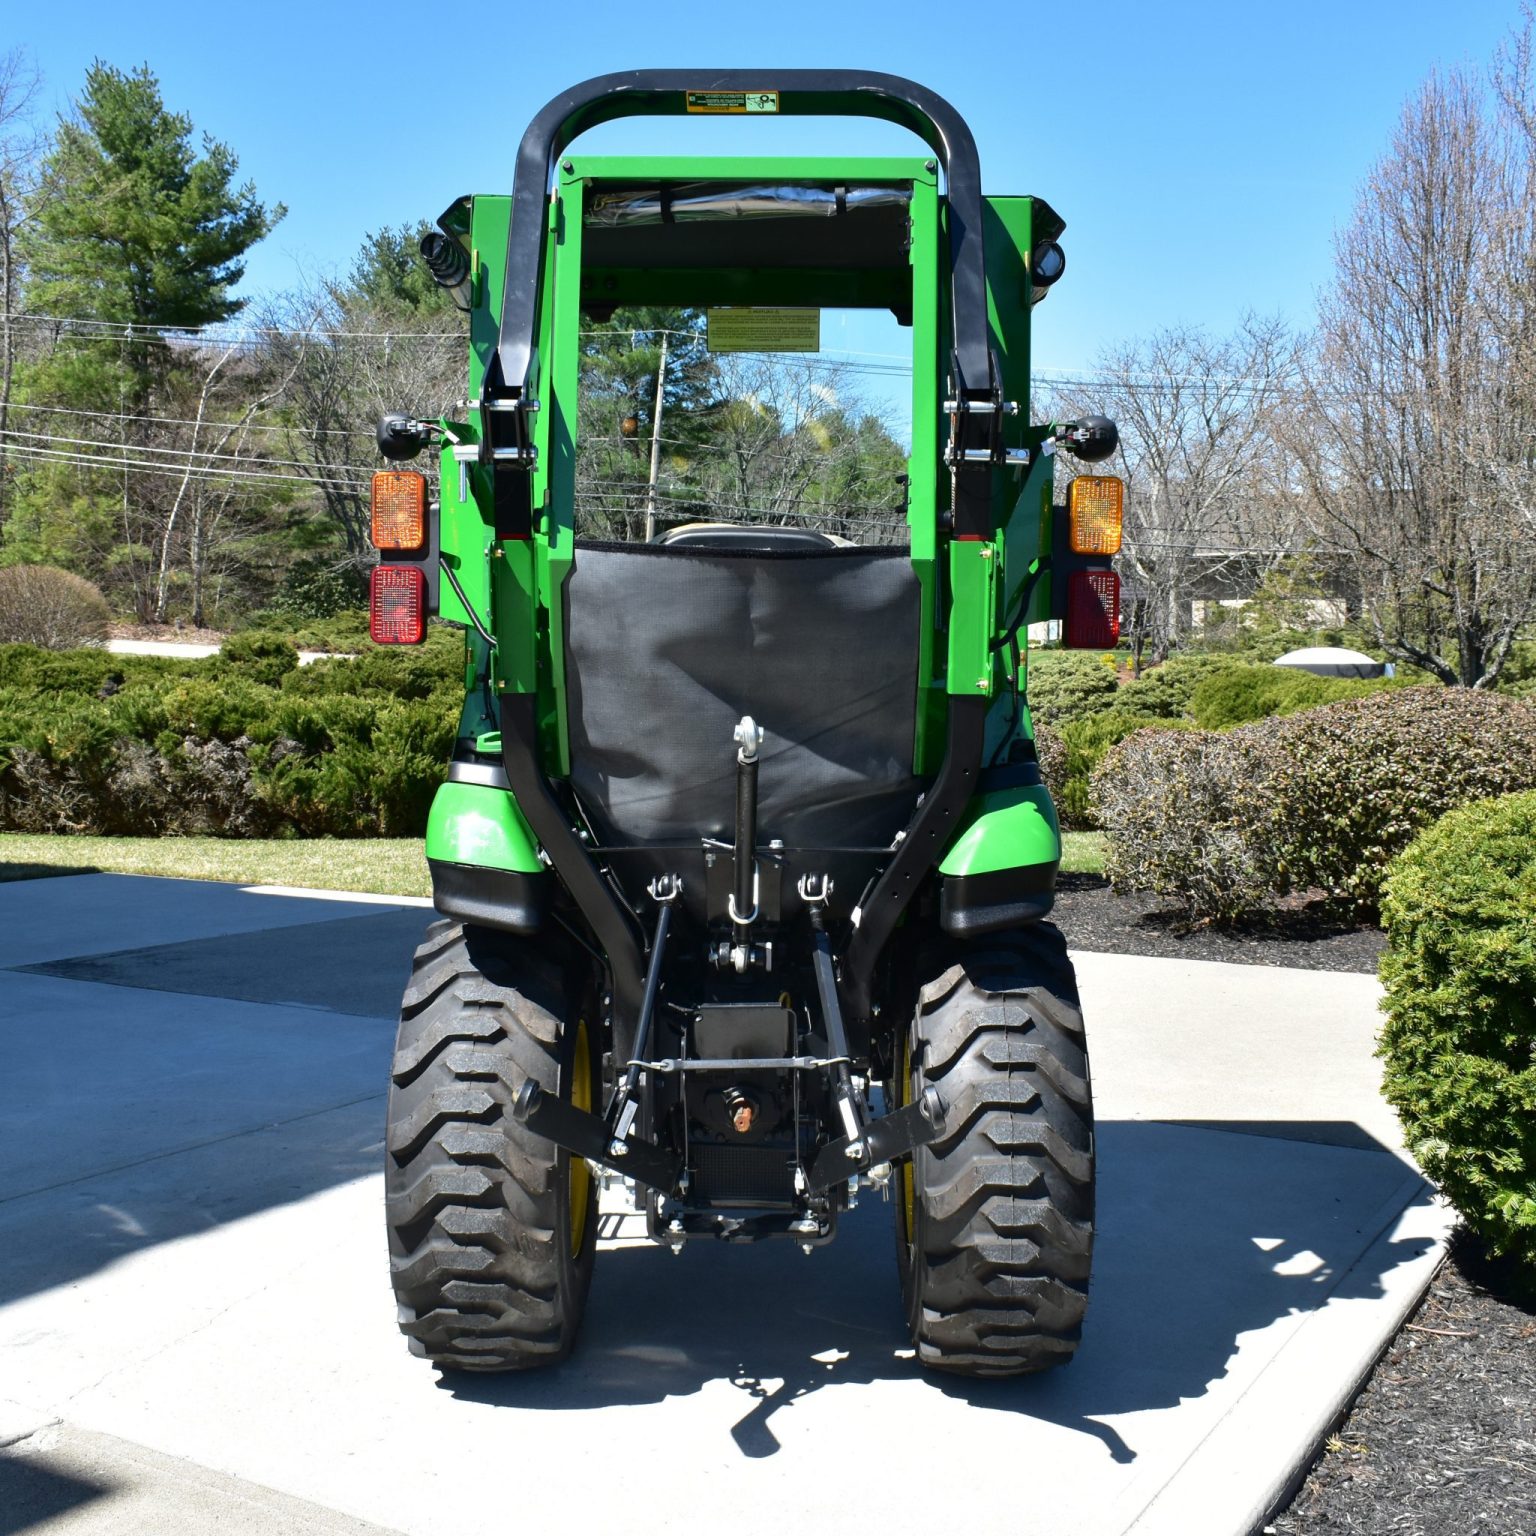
764,330
733,101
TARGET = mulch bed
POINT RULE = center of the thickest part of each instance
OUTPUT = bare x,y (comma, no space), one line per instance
1442,1441
1307,934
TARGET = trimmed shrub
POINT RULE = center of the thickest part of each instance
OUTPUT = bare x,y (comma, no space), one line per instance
1084,742
83,671
1165,691
1460,1038
1187,816
1237,695
44,606
242,744
258,656
1319,800
1064,685
1051,750
1358,781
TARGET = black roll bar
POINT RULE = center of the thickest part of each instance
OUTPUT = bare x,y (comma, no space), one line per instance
801,93
974,449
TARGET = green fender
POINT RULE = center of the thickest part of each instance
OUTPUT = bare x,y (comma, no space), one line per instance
480,824
1005,829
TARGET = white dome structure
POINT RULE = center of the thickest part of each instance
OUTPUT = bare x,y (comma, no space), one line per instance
1332,661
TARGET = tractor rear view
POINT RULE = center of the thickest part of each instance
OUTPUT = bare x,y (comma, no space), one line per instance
743,856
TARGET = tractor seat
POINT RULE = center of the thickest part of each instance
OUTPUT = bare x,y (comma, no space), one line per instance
756,538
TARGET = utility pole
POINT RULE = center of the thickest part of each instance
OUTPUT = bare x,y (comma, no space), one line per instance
650,493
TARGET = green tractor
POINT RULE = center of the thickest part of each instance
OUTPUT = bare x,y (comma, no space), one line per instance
743,856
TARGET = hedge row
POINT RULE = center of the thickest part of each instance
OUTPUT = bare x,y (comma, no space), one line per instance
1080,710
243,744
1222,822
1460,1037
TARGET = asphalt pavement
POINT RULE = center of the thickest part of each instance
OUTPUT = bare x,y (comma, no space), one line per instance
197,1332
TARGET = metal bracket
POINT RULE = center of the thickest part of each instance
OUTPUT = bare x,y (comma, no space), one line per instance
892,1136
586,1135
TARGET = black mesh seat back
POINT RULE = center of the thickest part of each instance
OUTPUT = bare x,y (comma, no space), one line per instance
667,648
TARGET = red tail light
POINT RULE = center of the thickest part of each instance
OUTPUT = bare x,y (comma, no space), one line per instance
1093,610
397,604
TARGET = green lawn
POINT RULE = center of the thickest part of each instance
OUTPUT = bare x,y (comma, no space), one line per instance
391,866
1082,853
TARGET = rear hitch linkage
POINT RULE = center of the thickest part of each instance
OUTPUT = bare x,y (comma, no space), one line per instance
609,1139
867,1141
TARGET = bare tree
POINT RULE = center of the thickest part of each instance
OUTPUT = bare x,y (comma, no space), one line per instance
1508,439
786,440
209,457
1208,483
20,156
347,364
1417,437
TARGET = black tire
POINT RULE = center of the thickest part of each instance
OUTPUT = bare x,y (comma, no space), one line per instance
492,1230
994,1220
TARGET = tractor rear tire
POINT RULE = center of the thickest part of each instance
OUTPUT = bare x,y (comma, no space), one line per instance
995,1218
492,1229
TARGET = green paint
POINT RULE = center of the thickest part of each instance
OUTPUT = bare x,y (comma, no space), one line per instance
491,218
515,615
1005,829
466,539
972,617
927,488
768,168
479,824
556,542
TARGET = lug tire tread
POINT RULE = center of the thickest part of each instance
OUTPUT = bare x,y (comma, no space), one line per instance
477,1206
996,1280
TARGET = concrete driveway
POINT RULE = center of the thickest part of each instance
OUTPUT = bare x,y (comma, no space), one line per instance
196,1329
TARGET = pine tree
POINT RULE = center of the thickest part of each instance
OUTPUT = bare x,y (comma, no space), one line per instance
138,227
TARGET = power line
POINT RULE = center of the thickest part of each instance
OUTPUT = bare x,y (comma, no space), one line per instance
176,471
183,421
187,454
218,333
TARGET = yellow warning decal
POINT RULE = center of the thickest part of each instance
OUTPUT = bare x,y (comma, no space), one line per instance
732,101
764,329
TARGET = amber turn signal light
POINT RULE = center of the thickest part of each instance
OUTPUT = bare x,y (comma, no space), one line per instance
399,510
1095,513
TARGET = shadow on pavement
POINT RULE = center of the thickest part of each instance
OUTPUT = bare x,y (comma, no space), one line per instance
59,1235
1204,1237
16,870
33,1493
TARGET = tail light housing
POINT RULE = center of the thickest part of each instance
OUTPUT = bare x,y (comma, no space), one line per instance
402,591
397,604
1085,538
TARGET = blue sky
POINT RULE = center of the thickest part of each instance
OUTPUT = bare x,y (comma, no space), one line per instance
1202,154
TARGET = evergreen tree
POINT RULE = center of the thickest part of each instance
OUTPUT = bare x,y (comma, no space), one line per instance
138,227
389,275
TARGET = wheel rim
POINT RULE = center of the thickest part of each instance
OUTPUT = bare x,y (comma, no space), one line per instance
580,1174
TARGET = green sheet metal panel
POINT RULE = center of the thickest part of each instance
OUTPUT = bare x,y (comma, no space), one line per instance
1005,829
479,824
972,617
